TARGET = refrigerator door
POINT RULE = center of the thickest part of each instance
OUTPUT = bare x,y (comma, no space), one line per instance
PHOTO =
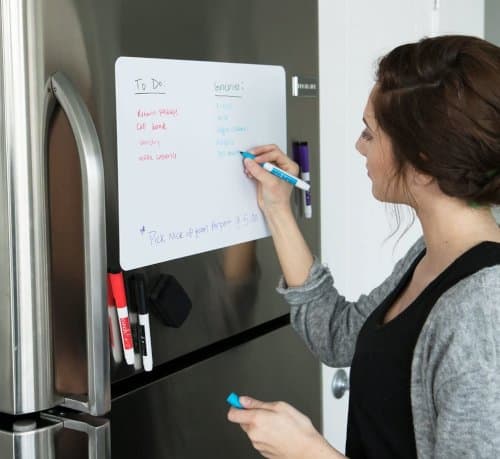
27,294
44,437
184,415
26,375
231,289
62,91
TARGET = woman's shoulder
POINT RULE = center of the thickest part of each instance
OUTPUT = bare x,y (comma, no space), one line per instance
472,297
409,257
462,333
465,321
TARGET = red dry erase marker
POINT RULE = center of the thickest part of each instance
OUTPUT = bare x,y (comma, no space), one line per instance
114,328
118,289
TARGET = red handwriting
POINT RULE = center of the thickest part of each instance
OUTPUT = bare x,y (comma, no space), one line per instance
166,156
158,157
157,126
174,112
145,113
149,142
164,111
162,126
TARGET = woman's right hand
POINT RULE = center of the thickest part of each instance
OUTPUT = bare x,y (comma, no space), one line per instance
272,193
273,196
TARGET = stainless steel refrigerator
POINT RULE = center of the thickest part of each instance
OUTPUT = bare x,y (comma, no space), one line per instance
60,393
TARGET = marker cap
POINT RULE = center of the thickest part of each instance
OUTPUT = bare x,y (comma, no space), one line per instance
118,289
140,294
234,400
303,156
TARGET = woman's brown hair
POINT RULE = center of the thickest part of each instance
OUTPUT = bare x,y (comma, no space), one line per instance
438,100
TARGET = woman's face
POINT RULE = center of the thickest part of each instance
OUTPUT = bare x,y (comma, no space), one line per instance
375,146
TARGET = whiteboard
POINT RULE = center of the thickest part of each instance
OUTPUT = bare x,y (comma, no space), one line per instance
180,127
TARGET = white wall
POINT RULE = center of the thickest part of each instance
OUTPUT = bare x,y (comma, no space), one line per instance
352,35
462,16
492,21
492,33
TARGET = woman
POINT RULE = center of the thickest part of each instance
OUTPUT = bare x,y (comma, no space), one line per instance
424,347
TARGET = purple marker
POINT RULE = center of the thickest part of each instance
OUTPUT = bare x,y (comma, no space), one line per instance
301,153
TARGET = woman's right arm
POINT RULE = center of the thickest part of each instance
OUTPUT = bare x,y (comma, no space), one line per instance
326,321
273,196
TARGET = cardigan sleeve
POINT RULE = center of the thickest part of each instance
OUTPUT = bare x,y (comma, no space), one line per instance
468,414
465,363
325,320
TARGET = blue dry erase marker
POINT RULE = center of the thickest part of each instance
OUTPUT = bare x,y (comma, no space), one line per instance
234,400
280,173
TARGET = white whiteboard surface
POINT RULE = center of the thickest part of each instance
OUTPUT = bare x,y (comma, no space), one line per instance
180,128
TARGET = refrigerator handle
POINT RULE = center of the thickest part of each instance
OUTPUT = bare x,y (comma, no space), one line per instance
98,400
98,431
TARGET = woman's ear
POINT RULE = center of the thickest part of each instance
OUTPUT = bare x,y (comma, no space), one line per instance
420,179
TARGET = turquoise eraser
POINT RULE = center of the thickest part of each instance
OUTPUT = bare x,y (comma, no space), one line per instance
234,400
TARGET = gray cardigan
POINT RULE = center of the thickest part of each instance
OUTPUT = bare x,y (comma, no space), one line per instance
455,377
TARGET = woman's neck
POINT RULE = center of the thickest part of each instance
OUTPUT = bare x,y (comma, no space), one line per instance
451,227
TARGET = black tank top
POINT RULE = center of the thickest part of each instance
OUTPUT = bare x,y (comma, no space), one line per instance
380,423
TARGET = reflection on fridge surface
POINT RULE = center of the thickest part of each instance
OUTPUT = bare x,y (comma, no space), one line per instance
62,234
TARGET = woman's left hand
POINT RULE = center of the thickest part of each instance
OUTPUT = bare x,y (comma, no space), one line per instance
277,430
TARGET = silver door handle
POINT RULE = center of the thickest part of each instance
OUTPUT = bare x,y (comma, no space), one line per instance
97,429
340,383
98,399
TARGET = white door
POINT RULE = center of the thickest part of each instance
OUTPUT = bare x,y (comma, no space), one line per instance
353,34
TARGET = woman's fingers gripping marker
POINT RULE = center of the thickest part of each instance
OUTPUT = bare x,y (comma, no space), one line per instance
280,173
234,400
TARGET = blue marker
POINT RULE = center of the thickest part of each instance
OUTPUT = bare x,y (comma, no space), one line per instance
280,173
234,400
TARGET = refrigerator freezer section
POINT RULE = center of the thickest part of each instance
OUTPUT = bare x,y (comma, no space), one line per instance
184,415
